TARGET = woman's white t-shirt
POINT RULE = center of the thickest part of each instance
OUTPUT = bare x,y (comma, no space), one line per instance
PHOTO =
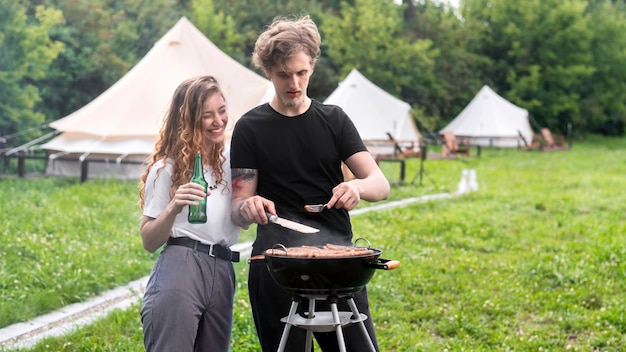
219,228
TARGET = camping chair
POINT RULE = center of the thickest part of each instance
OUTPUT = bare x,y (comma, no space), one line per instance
450,146
552,142
404,150
535,143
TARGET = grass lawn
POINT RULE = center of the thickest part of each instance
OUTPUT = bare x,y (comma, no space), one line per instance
533,261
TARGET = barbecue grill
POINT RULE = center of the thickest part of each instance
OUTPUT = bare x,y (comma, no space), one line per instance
329,279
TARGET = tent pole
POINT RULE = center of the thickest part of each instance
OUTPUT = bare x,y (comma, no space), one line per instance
422,171
432,134
33,142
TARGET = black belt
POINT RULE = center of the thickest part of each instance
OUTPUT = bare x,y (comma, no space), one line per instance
214,250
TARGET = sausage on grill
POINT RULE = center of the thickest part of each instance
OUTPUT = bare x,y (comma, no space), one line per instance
327,251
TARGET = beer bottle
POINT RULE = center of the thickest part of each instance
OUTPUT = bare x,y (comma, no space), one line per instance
197,213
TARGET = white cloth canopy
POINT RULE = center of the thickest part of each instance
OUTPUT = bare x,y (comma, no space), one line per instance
490,119
375,113
126,118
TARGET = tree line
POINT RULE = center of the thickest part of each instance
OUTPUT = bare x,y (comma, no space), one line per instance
562,60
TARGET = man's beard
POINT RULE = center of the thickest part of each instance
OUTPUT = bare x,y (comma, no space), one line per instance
292,102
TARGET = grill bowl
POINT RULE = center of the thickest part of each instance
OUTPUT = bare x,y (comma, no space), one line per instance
324,276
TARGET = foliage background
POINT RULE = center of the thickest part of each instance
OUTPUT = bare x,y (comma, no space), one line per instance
563,60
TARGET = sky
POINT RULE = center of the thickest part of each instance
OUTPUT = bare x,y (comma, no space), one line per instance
454,3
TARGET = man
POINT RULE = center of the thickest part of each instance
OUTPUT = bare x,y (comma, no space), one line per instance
286,154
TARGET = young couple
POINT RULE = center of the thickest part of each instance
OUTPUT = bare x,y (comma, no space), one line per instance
283,154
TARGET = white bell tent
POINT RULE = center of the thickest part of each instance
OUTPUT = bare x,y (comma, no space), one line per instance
490,120
376,114
123,123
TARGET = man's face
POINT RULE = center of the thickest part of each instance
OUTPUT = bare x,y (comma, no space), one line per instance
292,80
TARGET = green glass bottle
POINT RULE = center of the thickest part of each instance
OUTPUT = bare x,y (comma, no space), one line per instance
197,213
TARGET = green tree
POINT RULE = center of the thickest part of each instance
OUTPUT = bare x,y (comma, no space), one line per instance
455,68
26,51
539,52
370,37
217,26
103,41
603,103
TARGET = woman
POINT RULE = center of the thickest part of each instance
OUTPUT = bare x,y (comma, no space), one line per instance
188,303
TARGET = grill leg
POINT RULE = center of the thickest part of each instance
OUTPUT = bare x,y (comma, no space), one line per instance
283,339
337,322
355,312
309,333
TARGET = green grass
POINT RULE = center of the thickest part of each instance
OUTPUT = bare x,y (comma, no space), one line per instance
533,261
63,242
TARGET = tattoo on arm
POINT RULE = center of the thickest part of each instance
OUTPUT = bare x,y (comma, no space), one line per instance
240,176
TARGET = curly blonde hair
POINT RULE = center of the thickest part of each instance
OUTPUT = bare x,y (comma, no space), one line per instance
182,135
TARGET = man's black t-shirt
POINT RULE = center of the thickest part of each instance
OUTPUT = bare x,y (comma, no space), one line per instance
299,162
